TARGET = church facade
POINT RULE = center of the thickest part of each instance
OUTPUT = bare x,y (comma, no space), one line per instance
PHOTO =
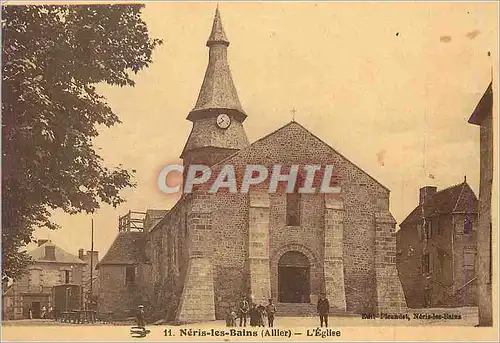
195,261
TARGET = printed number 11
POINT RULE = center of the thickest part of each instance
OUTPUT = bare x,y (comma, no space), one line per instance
168,332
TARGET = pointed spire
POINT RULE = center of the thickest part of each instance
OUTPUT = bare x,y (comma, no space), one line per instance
217,36
217,91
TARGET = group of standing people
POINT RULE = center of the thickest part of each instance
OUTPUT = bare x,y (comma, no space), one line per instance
44,314
254,312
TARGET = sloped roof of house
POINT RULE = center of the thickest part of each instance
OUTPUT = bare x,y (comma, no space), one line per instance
455,199
156,214
61,256
127,248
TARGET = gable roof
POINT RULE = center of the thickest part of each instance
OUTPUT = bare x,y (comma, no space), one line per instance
484,107
127,248
61,256
455,199
291,124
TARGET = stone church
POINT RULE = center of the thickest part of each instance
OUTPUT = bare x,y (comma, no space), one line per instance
195,261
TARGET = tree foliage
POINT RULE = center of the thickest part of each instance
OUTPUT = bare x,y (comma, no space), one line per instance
53,56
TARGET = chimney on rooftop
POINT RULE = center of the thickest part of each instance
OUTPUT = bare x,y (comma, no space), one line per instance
426,192
80,254
42,241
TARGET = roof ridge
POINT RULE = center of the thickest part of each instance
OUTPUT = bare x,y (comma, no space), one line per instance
452,197
312,134
56,248
248,146
341,155
459,196
446,189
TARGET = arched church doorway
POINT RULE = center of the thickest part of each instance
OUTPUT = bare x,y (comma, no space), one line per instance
293,278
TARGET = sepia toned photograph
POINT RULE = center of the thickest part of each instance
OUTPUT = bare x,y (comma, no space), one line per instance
249,171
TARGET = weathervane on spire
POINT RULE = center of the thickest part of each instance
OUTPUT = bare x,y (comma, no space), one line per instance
491,68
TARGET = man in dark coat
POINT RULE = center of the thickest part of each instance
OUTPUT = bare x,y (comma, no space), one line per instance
261,312
271,310
140,317
323,309
243,311
254,315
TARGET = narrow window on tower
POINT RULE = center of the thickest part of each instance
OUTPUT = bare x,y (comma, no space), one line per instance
467,224
130,274
426,264
293,209
428,229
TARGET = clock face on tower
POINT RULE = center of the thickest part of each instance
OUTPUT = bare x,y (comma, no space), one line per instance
223,121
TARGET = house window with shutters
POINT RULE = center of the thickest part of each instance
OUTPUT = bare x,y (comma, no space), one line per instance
67,276
441,262
35,277
426,263
469,260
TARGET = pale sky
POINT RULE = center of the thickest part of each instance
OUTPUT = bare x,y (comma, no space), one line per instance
386,82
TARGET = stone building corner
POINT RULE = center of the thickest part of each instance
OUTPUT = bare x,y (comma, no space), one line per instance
389,291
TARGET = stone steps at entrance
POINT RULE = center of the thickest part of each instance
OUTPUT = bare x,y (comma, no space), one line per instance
296,309
303,310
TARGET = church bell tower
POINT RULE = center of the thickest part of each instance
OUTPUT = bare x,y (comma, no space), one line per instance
217,117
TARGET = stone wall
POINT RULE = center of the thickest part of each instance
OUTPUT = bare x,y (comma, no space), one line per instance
306,238
390,296
258,247
465,292
117,297
226,235
334,255
359,248
360,194
485,237
197,302
230,223
408,260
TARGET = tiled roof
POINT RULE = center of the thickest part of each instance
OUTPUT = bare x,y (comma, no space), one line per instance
217,35
285,132
484,107
218,90
156,214
455,199
127,248
61,256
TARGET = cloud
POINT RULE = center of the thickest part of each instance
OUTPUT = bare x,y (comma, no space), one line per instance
473,34
445,39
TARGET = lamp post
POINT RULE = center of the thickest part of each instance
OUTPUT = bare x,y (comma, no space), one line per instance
67,296
91,294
